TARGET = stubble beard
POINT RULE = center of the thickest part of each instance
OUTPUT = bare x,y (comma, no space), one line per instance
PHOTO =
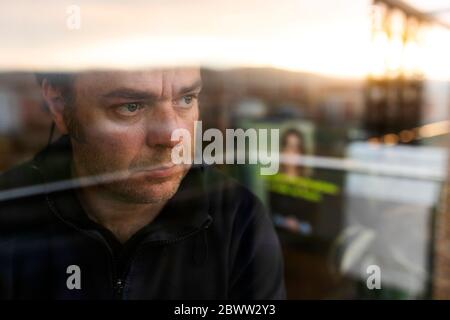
120,185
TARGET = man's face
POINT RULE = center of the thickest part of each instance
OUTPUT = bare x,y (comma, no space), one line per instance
124,121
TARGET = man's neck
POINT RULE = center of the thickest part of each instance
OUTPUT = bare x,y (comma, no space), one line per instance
122,218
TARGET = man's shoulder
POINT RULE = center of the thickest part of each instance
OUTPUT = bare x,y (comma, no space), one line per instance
244,226
47,165
236,201
19,176
20,195
216,180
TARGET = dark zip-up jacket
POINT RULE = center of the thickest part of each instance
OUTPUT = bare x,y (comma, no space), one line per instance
213,240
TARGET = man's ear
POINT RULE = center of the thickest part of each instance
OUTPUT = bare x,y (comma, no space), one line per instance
55,103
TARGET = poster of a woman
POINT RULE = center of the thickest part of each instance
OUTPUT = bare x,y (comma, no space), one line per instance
294,194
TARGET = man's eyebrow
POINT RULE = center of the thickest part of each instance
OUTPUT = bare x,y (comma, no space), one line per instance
128,93
193,87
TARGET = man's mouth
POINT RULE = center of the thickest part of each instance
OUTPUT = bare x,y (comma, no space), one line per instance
159,171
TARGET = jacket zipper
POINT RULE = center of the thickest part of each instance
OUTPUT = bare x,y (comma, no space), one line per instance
118,288
119,282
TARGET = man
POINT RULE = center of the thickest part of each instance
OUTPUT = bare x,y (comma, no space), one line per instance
104,213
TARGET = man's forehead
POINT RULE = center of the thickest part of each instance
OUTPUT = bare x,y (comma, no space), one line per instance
150,79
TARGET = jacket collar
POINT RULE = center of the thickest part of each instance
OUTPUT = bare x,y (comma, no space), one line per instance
185,212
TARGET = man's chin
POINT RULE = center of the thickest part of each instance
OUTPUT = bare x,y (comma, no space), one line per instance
142,190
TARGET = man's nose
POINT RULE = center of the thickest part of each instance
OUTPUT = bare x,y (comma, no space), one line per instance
161,123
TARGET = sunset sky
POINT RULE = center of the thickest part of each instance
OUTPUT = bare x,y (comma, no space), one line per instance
330,37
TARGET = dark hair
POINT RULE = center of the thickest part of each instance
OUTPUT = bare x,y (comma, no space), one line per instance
295,132
64,83
61,81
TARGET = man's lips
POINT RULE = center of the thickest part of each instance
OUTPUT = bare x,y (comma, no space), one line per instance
161,171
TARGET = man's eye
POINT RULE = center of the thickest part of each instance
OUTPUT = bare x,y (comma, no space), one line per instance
186,101
129,109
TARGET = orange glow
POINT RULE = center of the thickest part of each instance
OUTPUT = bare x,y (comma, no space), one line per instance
322,37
